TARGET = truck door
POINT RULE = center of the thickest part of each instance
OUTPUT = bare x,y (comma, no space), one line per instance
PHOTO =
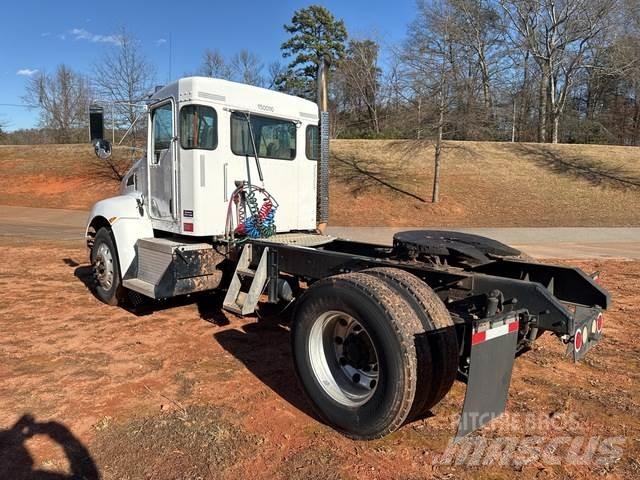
162,171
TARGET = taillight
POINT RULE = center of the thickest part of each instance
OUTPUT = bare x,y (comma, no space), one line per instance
600,322
577,340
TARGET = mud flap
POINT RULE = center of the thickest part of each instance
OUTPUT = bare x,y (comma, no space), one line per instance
493,351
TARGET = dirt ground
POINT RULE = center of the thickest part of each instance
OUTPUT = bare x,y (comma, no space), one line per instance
389,182
58,176
186,391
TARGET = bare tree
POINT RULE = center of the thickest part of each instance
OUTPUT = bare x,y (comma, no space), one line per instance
247,68
557,33
478,27
214,65
125,77
275,71
63,99
362,77
430,59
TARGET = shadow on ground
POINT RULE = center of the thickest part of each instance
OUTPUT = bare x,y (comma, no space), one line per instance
364,174
593,171
209,304
16,462
264,348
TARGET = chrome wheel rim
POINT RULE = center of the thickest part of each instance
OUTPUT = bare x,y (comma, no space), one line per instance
103,266
343,358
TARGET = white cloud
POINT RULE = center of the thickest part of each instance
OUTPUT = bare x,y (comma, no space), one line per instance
27,72
82,34
161,41
45,34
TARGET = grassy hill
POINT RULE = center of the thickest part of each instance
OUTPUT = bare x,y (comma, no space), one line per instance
388,182
485,184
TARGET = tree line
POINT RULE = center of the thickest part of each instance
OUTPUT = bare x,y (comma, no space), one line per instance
505,70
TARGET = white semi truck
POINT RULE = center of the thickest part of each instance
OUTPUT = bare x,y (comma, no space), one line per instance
227,196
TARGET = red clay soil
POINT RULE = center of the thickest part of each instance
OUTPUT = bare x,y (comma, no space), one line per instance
186,391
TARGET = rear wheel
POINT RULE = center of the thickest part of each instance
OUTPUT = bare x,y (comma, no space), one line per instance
355,356
107,282
439,336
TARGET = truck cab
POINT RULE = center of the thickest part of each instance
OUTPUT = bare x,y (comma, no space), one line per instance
199,146
205,138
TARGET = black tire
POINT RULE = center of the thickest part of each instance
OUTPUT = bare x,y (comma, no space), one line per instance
440,337
390,325
111,293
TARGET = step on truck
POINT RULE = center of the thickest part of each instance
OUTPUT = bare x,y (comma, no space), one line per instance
228,195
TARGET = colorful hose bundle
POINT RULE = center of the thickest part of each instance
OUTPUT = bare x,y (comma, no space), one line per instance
254,220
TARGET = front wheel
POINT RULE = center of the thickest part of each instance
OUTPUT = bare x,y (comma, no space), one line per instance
107,282
355,355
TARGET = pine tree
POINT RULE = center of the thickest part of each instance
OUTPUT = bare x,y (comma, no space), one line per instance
315,35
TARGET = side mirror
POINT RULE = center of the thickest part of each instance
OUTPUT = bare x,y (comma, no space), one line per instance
102,148
96,129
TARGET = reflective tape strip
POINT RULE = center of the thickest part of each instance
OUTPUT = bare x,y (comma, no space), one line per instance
491,333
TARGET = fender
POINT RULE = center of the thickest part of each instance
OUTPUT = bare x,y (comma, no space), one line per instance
129,222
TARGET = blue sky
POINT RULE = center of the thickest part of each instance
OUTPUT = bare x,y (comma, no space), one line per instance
37,36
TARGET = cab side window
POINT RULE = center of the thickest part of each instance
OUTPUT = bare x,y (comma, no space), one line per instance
312,142
162,130
198,127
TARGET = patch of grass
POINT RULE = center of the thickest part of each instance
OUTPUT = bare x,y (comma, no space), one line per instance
199,443
312,464
483,184
186,382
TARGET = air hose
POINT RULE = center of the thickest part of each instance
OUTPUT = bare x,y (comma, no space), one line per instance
254,220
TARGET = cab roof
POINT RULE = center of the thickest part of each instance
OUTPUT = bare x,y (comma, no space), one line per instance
238,96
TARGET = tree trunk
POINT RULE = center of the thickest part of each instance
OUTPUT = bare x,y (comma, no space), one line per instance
555,108
556,124
523,108
373,117
636,124
419,129
513,123
435,198
542,107
486,92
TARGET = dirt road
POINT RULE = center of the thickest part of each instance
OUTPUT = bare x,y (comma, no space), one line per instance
573,242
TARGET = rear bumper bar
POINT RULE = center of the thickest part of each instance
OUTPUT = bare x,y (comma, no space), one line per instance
567,284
